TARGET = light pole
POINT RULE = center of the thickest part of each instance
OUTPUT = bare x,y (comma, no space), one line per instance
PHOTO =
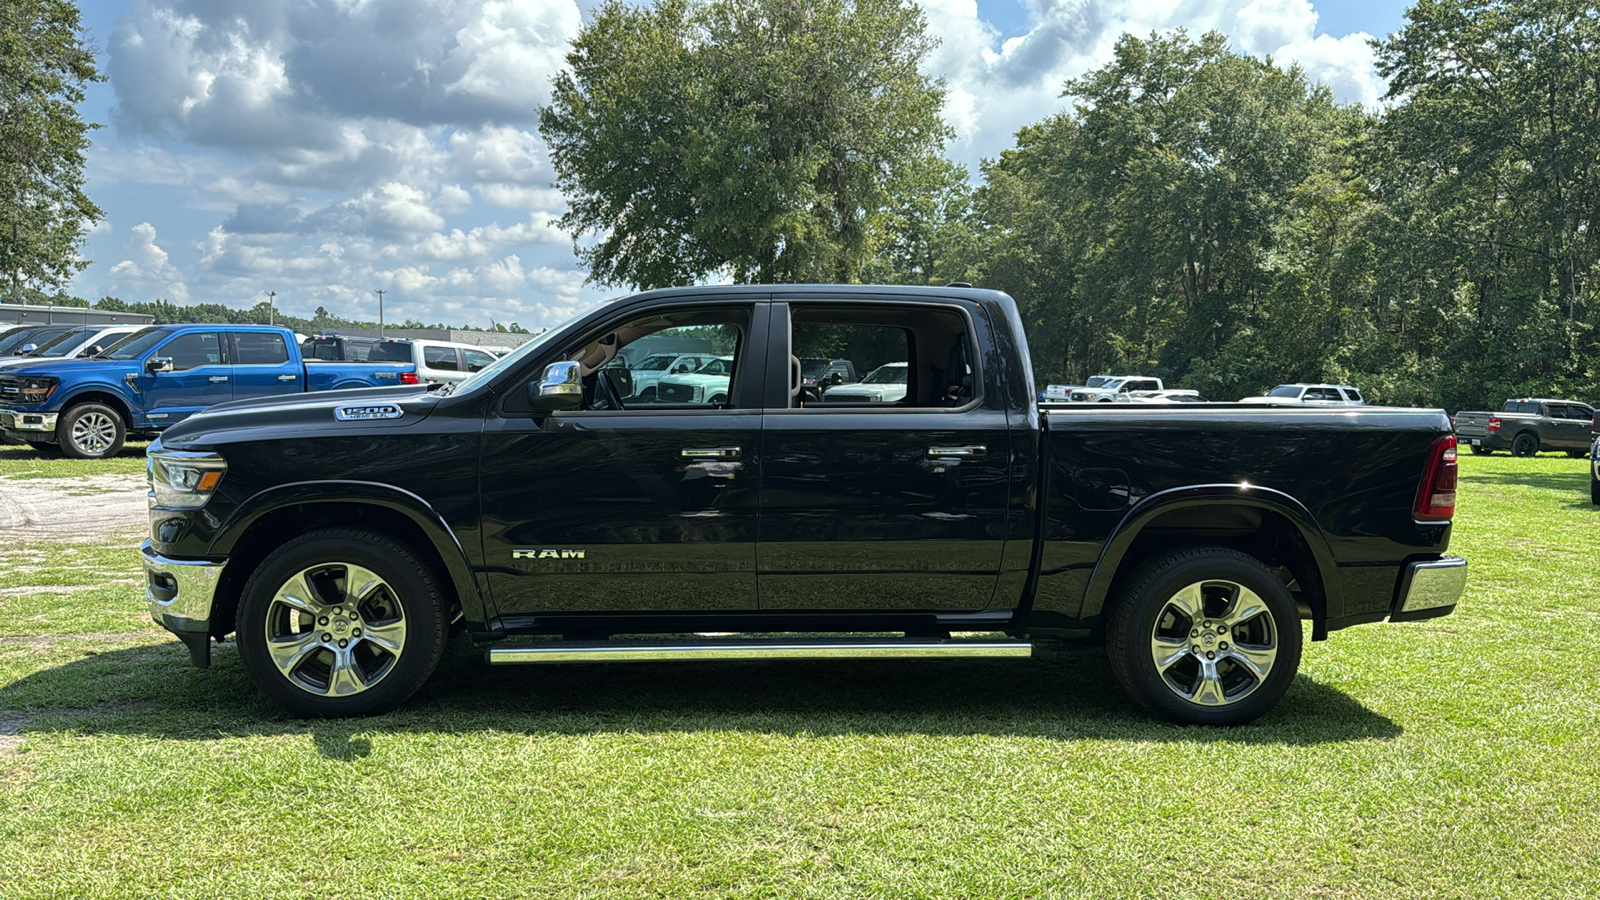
380,313
272,307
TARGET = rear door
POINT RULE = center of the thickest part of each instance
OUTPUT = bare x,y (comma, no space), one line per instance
881,507
262,367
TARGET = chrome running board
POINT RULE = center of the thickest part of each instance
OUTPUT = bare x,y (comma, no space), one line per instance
717,649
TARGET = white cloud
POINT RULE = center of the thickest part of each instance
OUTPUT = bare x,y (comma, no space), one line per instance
146,272
329,148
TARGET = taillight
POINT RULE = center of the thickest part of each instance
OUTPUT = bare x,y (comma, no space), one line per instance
409,378
1436,495
1494,424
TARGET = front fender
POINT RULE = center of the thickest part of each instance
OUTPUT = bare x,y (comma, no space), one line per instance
358,493
1152,507
67,394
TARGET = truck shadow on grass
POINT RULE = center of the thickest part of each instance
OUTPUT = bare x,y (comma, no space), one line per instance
1060,694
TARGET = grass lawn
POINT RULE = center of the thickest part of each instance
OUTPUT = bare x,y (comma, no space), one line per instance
1451,758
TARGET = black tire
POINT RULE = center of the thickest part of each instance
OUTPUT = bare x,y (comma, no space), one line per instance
48,451
341,667
1480,450
91,431
1577,454
1525,444
1252,650
1594,489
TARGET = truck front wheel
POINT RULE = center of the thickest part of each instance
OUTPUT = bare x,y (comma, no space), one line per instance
341,622
91,431
1205,636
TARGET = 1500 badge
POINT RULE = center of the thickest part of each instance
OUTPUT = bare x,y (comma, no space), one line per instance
547,554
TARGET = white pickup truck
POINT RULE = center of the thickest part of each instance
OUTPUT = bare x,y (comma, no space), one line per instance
1115,388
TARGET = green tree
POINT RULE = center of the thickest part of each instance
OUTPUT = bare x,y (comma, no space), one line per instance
1487,163
765,139
45,64
1143,230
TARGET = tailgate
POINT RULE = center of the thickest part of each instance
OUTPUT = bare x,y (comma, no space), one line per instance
1472,424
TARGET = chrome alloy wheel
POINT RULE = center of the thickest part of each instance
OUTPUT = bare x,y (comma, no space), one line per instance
1214,643
335,629
93,433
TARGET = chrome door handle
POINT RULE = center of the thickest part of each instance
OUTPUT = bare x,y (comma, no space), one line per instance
287,377
216,379
711,452
967,451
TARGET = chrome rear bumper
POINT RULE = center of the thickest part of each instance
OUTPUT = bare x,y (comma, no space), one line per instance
1429,589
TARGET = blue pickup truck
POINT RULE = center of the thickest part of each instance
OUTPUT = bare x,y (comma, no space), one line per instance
159,376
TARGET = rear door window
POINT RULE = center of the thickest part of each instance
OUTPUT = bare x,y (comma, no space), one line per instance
477,359
441,358
259,349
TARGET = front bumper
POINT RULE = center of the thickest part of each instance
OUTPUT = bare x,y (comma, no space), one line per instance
27,422
1429,589
180,594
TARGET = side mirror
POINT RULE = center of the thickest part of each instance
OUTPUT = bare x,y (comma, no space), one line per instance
836,378
92,350
27,349
560,387
158,364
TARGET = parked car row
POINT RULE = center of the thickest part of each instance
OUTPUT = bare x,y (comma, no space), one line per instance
1143,389
87,400
436,362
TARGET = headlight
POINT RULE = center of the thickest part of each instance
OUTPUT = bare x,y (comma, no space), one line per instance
37,390
183,480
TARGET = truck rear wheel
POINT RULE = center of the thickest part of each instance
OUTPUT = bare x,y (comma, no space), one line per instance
341,622
1205,636
91,431
1480,450
1525,444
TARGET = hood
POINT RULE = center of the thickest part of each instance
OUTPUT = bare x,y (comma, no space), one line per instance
398,407
31,366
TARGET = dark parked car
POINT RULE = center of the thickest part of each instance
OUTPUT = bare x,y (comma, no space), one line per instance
557,519
1527,425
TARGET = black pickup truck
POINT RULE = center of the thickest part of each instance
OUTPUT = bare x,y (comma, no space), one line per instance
544,510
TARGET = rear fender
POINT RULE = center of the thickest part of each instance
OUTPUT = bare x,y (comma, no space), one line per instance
1114,558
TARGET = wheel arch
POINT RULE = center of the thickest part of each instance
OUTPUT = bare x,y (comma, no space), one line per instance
100,394
1264,523
272,517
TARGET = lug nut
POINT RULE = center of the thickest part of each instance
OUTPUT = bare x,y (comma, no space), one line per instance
1208,655
344,643
323,620
1194,633
1222,629
1196,648
357,633
1222,646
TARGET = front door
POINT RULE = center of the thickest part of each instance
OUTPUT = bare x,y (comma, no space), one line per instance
628,505
894,503
201,376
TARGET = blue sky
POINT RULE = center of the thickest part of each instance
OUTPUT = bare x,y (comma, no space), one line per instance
325,149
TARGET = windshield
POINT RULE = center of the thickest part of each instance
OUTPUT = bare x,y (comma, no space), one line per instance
1097,381
390,351
509,360
894,373
1285,390
717,366
62,344
14,340
134,345
812,366
655,363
